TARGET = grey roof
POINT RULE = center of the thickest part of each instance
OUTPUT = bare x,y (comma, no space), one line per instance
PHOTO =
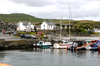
38,26
50,23
25,23
1,21
11,23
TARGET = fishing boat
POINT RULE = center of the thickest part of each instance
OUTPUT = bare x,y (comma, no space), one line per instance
42,44
93,45
78,45
62,44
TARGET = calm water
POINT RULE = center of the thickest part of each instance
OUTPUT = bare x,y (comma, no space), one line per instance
50,57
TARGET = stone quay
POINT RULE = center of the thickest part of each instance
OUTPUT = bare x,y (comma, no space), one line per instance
19,44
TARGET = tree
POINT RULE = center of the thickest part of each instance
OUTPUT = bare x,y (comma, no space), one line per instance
57,24
35,29
87,27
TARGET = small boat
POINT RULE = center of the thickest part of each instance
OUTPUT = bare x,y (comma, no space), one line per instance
62,44
42,44
94,45
4,64
78,45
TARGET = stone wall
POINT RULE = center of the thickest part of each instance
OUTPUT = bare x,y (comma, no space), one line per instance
19,44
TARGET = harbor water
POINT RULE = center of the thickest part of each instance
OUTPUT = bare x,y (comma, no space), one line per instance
50,57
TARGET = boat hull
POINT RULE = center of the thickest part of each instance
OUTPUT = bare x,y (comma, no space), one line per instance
81,48
57,46
92,48
45,46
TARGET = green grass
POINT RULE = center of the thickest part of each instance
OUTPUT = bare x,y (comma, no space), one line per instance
16,17
16,36
26,32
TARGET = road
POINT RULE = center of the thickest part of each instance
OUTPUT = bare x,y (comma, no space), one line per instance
7,37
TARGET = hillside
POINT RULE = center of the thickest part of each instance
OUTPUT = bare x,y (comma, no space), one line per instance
16,17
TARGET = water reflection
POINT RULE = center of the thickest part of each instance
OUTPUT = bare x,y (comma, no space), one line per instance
99,52
2,55
64,51
81,52
37,49
50,57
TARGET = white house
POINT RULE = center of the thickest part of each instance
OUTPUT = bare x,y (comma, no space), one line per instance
47,25
25,26
97,30
65,26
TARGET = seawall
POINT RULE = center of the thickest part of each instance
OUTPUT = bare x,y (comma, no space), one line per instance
19,44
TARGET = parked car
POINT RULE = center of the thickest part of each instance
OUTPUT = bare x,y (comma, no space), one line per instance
28,36
23,35
33,37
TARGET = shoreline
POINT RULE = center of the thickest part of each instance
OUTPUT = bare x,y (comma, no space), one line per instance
28,43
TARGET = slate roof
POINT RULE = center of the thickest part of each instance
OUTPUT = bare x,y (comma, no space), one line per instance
50,23
25,23
38,26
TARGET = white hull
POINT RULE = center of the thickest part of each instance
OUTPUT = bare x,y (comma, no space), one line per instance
57,46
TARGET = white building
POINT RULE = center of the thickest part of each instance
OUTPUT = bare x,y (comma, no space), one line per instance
97,30
25,26
47,25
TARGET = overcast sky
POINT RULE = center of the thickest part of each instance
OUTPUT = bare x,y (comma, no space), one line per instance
54,9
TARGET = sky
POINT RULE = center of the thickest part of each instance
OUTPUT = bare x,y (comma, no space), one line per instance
54,9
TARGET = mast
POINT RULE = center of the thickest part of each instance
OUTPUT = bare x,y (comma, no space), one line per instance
69,22
60,28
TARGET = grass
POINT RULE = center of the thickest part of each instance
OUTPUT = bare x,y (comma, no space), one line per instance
16,36
26,32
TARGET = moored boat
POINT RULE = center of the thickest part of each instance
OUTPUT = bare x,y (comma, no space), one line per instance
78,45
93,45
42,44
62,44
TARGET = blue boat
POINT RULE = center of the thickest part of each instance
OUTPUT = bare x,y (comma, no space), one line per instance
43,44
94,45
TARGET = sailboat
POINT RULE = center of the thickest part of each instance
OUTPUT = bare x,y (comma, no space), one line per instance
63,43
